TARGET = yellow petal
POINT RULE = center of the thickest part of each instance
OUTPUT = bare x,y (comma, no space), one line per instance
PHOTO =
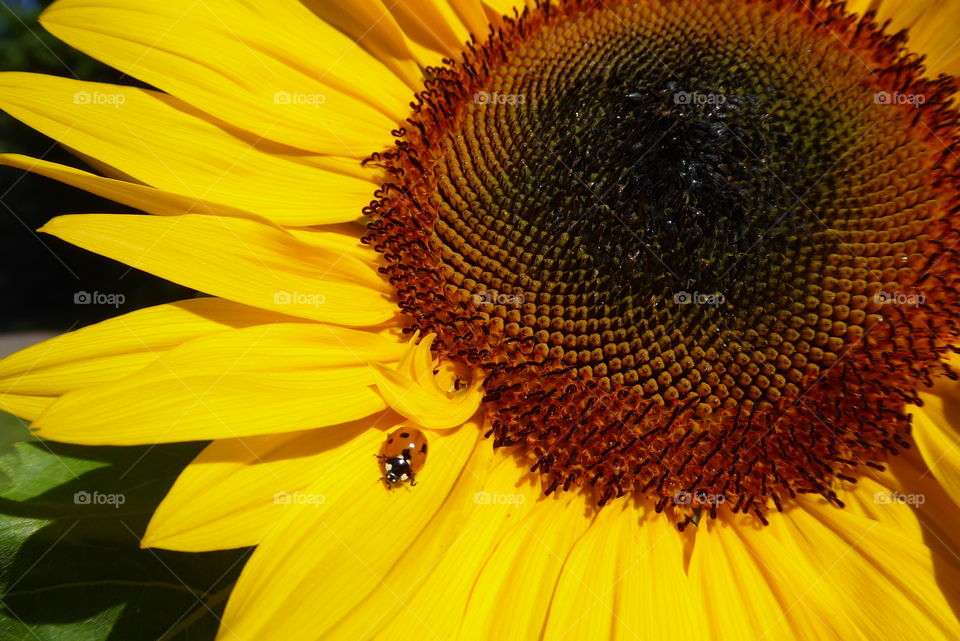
151,329
165,143
903,15
434,24
927,35
285,76
237,259
938,439
412,388
142,197
861,578
342,240
908,478
54,380
624,579
422,404
316,564
472,16
235,492
421,364
117,347
26,407
427,599
924,21
873,500
735,590
259,380
513,591
204,407
279,347
505,7
371,25
654,598
449,532
583,604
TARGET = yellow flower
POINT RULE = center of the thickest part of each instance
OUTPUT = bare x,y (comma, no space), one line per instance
688,266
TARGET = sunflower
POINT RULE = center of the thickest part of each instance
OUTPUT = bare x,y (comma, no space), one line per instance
669,288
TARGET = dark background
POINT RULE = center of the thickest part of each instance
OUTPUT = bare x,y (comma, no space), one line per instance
40,274
71,571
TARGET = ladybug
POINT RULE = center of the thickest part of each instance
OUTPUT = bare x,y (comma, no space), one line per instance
402,456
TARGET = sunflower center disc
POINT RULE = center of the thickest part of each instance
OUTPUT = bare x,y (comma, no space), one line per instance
704,251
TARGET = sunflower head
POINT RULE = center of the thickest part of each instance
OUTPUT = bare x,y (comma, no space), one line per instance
698,249
694,258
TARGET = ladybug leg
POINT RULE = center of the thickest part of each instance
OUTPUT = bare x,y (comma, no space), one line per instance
413,480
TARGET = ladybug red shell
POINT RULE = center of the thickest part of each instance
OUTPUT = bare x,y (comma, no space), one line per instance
402,456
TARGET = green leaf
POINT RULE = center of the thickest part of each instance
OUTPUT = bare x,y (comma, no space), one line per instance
71,567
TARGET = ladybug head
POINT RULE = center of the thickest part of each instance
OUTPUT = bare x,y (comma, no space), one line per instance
396,470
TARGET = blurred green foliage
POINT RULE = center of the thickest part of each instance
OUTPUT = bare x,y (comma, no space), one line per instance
71,567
